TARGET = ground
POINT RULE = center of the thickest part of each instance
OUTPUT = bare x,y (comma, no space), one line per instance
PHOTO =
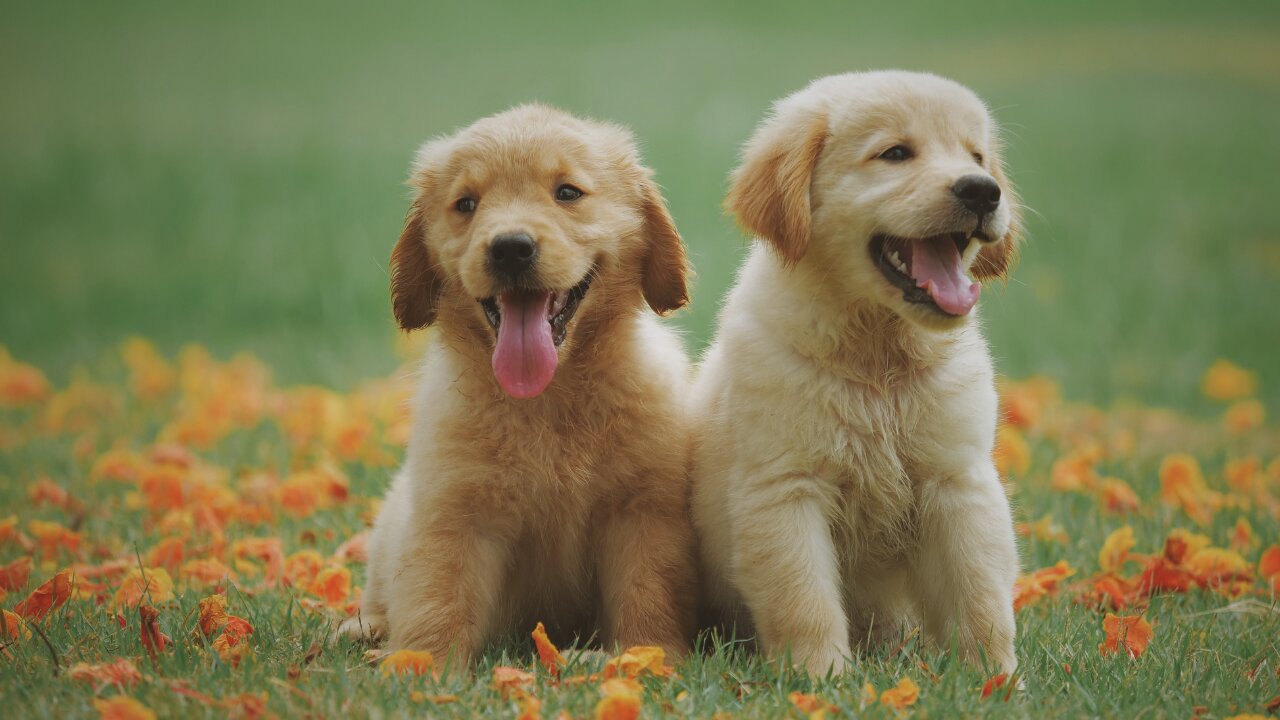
230,176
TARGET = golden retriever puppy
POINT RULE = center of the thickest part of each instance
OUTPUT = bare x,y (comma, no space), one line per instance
845,413
546,474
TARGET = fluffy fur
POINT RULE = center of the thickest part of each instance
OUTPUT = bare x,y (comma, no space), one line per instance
570,507
843,482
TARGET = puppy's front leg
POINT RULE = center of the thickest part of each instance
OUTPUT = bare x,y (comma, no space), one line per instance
647,577
444,598
784,564
967,565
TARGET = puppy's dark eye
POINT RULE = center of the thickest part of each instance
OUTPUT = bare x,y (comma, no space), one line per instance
568,193
897,153
977,157
465,205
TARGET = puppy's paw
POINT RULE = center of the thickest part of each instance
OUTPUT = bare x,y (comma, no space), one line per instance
363,628
820,662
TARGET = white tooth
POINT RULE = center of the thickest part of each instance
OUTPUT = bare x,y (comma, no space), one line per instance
894,257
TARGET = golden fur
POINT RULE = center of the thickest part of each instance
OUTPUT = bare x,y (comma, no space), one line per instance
569,508
843,482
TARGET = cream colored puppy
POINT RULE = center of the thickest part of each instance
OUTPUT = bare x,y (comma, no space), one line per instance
843,481
546,475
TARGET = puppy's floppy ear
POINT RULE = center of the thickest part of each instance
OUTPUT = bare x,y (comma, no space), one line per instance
996,261
666,267
769,193
415,281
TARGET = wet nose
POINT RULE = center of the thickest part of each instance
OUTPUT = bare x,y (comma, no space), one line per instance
511,254
979,193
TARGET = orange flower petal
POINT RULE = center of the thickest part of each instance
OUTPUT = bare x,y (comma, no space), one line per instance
1269,563
231,651
46,491
213,614
1112,591
21,385
1181,544
1075,471
904,695
994,684
1118,497
333,585
1182,485
511,681
1244,416
530,708
622,700
14,575
1115,551
121,673
122,707
1030,588
301,568
1242,536
48,597
807,702
408,662
637,660
236,629
1130,632
548,654
150,584
152,639
13,626
267,550
1011,454
167,554
1224,380
52,537
1162,575
205,572
870,696
1214,566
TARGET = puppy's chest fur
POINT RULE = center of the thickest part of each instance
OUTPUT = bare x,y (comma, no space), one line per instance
881,443
549,477
874,467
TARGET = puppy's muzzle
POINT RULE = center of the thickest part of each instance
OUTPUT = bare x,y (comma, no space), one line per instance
511,256
979,194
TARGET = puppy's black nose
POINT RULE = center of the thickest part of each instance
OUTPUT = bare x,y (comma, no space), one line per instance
978,193
511,254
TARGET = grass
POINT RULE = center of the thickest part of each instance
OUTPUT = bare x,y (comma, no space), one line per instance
231,175
1211,649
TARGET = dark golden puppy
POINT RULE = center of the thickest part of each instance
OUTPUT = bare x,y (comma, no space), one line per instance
545,477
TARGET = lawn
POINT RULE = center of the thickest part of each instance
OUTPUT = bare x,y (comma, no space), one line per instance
230,175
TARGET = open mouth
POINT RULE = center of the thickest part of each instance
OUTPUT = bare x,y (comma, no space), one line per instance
530,325
560,305
929,271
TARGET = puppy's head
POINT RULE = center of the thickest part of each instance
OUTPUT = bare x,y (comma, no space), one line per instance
890,181
523,225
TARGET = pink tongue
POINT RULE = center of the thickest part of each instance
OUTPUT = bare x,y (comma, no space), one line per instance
525,359
935,265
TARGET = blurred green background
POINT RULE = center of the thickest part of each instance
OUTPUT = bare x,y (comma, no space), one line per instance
231,172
